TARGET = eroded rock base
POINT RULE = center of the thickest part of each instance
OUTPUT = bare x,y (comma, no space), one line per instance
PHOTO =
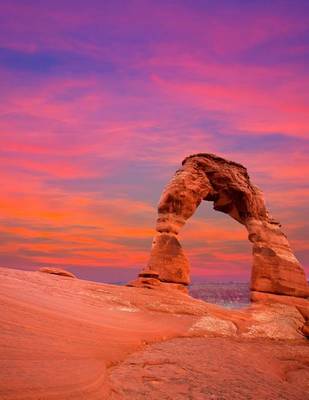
148,281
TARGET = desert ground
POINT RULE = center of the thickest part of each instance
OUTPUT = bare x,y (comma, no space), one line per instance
65,338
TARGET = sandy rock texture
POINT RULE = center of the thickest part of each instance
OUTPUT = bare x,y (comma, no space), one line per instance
227,184
214,369
62,338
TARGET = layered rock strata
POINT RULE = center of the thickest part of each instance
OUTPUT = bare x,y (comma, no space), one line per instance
227,184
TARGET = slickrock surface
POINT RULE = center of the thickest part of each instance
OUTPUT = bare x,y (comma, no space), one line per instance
227,184
214,369
70,339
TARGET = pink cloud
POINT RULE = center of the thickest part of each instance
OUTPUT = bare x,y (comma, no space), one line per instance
180,81
248,109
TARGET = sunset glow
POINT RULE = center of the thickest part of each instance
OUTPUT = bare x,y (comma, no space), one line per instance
102,100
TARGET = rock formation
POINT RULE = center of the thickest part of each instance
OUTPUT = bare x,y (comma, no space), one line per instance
57,271
209,177
63,338
68,339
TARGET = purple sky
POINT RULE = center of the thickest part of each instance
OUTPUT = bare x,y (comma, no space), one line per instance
101,101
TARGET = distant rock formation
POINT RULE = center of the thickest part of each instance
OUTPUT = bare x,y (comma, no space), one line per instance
227,184
57,271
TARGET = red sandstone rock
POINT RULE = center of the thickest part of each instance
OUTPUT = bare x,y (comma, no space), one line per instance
301,304
167,251
57,271
305,329
213,369
60,337
226,183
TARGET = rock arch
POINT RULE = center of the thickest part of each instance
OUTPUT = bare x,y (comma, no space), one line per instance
227,184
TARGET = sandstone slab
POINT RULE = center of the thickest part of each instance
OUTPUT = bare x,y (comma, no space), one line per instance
59,337
213,368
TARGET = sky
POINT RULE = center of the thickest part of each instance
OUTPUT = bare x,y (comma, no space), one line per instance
100,101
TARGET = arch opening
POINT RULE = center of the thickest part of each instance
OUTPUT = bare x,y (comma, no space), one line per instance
217,247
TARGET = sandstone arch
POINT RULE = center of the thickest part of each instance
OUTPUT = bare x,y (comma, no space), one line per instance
209,177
